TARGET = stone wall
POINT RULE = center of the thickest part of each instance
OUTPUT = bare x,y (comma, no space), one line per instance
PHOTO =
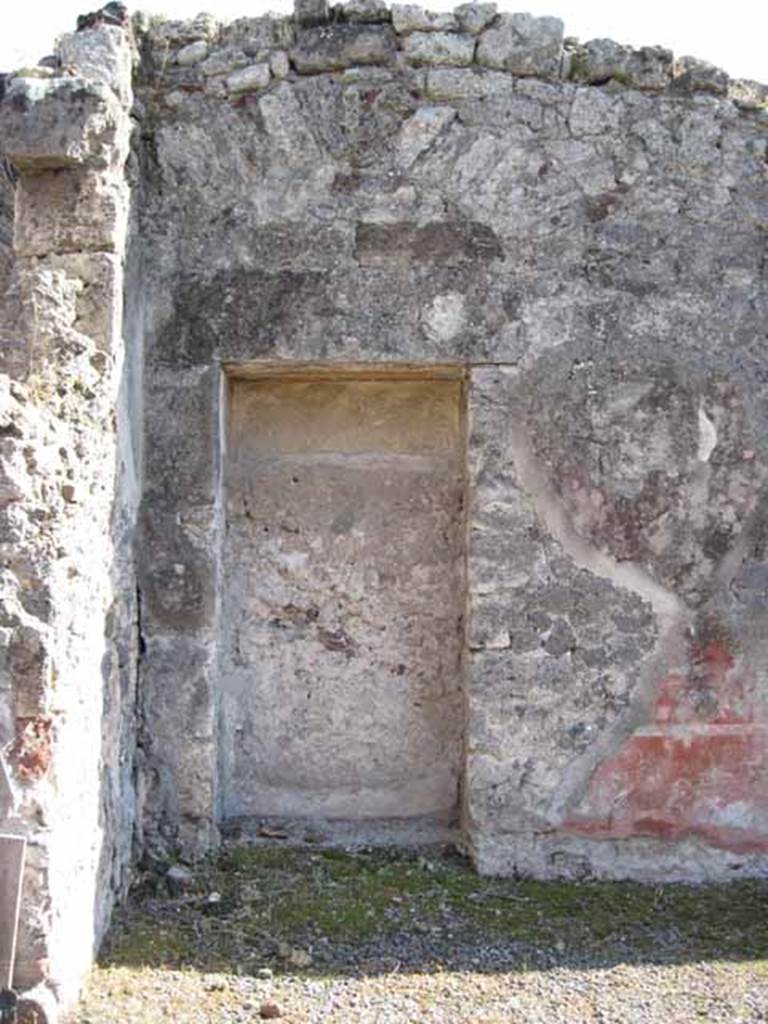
573,233
581,228
68,638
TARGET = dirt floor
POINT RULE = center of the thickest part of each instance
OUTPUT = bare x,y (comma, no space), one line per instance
309,934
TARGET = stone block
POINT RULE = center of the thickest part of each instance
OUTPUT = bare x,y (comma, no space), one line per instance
523,45
748,95
342,46
181,33
474,17
250,79
371,11
48,124
650,68
252,35
68,211
410,18
223,62
464,85
96,283
692,75
192,53
101,54
279,64
439,48
240,316
601,60
309,13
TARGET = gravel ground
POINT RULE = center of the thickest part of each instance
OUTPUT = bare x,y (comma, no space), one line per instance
381,937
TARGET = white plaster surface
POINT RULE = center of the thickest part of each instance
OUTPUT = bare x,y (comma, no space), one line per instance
342,611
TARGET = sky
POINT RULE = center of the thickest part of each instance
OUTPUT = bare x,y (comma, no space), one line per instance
732,33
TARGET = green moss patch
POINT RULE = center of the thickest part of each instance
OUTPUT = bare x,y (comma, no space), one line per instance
251,906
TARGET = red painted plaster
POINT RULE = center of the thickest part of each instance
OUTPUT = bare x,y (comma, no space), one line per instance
31,751
698,768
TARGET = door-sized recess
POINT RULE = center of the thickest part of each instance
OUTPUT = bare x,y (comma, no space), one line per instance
343,598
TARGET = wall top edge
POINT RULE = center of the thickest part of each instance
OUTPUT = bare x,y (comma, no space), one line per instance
247,54
471,34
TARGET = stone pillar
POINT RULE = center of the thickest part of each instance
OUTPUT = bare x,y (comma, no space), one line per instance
67,605
178,570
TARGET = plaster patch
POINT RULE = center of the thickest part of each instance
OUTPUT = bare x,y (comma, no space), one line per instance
444,318
342,603
707,436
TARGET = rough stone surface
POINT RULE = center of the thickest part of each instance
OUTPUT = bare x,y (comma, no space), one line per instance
54,123
571,231
279,64
181,33
474,17
72,212
222,62
68,638
366,10
255,35
438,48
100,55
601,60
420,132
692,75
523,45
249,79
310,12
411,18
748,95
193,53
342,46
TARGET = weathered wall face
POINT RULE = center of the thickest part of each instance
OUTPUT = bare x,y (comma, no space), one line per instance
641,717
376,205
68,641
584,229
343,599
